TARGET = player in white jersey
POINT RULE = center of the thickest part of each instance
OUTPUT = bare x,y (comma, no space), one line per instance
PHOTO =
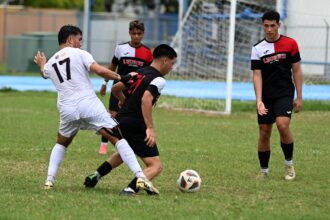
78,105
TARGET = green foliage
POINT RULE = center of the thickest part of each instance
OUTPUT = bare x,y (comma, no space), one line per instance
221,148
67,4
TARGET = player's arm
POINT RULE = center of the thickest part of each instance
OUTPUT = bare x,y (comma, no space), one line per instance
40,59
104,72
146,105
103,88
297,78
257,84
118,91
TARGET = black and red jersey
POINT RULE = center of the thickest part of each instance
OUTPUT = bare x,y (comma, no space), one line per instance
148,79
275,60
129,59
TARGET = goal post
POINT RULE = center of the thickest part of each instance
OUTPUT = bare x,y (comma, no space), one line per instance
213,42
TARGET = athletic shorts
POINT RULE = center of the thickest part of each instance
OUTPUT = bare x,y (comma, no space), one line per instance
282,106
134,131
90,114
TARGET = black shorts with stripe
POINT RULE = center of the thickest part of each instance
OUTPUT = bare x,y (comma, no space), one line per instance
134,131
282,106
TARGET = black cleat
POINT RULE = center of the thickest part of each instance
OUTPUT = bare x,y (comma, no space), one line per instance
91,180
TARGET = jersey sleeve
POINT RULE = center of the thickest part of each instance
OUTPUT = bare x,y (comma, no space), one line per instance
46,70
115,58
150,58
87,59
295,52
256,63
156,86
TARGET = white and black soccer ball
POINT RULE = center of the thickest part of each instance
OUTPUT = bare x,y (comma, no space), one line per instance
189,181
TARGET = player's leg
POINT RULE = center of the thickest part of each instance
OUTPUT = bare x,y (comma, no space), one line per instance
106,167
153,168
283,108
113,110
64,137
265,131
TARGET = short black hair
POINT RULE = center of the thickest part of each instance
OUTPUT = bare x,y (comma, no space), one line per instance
271,15
66,31
164,50
136,24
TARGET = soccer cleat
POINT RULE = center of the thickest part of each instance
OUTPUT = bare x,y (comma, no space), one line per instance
147,186
103,149
290,174
262,176
48,184
91,180
127,192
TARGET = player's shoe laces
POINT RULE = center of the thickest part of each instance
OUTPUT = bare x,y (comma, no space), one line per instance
290,174
48,184
91,180
103,149
262,176
147,186
127,192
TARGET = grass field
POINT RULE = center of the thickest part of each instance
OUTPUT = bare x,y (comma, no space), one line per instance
221,148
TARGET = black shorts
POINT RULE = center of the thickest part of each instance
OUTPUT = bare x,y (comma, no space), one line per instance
282,106
134,131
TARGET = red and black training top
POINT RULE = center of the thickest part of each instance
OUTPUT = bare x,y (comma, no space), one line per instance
275,60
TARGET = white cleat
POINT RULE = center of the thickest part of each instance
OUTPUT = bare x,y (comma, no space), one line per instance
290,174
48,185
147,186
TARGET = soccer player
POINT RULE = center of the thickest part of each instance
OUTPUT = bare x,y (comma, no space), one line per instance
135,117
78,104
275,60
128,57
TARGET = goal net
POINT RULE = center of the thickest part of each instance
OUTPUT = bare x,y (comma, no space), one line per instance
202,43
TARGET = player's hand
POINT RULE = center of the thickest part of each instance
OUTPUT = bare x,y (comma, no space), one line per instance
103,90
262,110
151,137
297,105
40,58
133,74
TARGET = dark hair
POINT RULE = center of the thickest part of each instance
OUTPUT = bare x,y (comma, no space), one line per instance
136,24
271,15
164,50
66,31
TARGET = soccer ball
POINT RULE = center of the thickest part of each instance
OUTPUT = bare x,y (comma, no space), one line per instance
189,181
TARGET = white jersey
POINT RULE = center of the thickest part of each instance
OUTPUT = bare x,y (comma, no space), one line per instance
69,71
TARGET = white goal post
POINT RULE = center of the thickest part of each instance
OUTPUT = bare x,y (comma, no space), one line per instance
213,42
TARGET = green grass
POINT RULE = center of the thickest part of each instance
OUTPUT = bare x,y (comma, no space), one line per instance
221,148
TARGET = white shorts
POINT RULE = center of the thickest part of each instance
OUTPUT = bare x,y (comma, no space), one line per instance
90,115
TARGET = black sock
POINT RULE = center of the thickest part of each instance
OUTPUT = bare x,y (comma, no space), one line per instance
264,159
132,185
287,150
104,139
104,169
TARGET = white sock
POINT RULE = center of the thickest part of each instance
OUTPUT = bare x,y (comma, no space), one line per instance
55,160
264,170
128,156
288,162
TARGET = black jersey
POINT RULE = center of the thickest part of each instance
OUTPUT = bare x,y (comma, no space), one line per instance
148,79
275,60
129,59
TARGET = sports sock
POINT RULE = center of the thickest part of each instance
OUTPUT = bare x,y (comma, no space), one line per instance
128,156
104,169
287,151
132,185
104,140
264,159
55,160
